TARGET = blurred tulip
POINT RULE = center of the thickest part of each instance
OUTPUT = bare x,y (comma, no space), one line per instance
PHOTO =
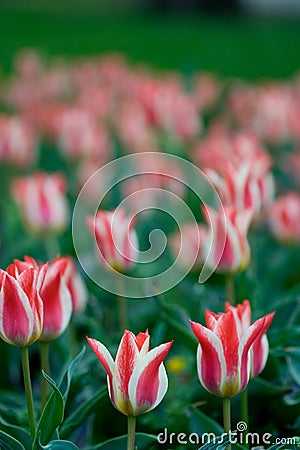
81,136
259,350
223,357
243,186
284,218
116,239
18,142
137,379
21,306
42,200
187,245
230,251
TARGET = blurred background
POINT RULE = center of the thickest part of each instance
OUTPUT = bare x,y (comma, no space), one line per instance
252,39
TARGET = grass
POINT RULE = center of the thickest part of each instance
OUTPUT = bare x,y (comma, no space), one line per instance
230,46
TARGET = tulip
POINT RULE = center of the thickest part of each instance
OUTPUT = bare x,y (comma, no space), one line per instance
21,317
230,251
187,244
259,351
21,306
41,198
55,295
248,184
18,142
137,379
223,357
284,218
116,239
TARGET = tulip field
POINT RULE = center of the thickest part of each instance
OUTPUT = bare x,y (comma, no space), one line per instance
149,257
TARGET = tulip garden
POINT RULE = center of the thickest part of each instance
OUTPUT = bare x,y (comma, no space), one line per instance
150,264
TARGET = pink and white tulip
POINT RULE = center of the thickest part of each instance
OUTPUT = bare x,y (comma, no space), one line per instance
223,357
284,218
55,295
230,250
116,239
21,306
259,351
42,200
18,142
137,379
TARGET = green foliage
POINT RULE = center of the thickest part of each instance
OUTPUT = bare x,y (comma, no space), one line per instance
142,442
52,415
9,443
59,445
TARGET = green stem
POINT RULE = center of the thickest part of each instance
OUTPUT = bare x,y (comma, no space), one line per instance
227,418
71,330
44,352
28,391
230,291
131,432
122,305
122,313
244,411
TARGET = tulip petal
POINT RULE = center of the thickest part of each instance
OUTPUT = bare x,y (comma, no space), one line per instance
107,362
242,315
125,362
15,312
148,383
57,306
259,355
258,328
210,358
226,330
142,341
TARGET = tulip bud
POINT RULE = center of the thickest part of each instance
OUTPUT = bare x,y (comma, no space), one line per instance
21,306
116,239
137,379
42,201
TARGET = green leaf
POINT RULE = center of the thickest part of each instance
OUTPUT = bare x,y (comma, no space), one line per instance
200,423
292,443
263,388
282,337
142,442
78,416
220,443
67,376
176,316
8,442
59,445
293,363
17,432
53,413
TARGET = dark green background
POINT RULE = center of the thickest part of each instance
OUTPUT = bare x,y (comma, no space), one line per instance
230,45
